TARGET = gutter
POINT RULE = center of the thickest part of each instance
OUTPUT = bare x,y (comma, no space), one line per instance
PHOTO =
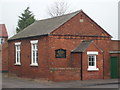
81,66
27,37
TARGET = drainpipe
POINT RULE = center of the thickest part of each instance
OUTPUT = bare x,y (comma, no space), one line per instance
70,59
103,64
81,66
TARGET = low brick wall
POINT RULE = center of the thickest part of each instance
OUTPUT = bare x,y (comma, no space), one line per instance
64,74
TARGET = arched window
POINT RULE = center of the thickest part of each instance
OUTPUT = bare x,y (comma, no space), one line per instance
60,53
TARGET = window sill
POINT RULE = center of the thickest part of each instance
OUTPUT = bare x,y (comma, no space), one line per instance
93,69
17,64
34,65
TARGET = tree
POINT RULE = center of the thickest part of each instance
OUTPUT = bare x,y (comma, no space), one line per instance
26,19
58,9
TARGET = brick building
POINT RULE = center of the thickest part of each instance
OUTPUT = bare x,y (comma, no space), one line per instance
68,47
3,48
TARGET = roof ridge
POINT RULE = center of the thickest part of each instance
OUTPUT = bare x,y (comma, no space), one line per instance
60,16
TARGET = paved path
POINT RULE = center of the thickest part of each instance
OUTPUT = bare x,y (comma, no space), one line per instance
104,86
13,82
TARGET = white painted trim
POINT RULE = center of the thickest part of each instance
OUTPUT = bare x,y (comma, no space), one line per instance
36,50
34,64
92,52
93,69
18,43
17,64
33,41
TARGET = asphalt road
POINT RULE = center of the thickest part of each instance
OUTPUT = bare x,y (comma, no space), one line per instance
27,83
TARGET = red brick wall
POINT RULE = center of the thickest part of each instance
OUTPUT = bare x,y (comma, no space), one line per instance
88,75
105,46
76,60
25,70
65,74
74,27
115,45
56,43
4,56
69,44
47,55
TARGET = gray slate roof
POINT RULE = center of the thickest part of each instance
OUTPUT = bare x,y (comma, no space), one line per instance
44,27
83,46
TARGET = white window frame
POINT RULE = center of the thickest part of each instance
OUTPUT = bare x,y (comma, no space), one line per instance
17,53
35,50
94,55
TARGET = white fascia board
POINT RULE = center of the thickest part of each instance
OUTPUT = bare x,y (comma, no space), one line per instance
92,52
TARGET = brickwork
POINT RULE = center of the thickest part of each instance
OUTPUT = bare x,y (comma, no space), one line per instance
3,49
68,36
88,75
64,74
115,46
25,70
4,57
75,27
76,60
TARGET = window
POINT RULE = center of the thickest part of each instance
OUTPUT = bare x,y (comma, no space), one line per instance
92,61
34,53
1,40
60,53
81,20
17,49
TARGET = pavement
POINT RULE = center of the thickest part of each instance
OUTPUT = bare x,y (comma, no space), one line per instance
16,82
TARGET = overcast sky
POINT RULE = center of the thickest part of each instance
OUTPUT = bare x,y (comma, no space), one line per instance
104,12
